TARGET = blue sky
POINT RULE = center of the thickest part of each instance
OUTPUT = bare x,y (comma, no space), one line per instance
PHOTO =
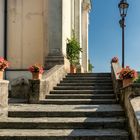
105,34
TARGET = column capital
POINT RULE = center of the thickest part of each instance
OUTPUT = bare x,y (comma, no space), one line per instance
86,5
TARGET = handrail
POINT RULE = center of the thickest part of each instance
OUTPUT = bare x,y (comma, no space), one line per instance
117,83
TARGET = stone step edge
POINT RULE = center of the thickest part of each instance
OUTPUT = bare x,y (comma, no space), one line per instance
38,133
63,120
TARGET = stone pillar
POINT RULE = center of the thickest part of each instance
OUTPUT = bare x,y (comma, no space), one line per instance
85,22
4,98
58,30
36,93
1,27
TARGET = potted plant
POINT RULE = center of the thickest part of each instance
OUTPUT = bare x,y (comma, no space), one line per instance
3,65
114,60
73,53
128,75
36,71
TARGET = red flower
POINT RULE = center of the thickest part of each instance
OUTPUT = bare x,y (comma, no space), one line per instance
127,73
3,64
36,68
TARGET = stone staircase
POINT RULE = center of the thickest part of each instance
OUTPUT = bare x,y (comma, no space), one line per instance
81,107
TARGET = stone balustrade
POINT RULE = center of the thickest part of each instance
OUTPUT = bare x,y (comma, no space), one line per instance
117,83
130,99
41,88
4,98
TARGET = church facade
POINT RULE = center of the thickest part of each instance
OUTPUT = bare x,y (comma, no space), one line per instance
36,31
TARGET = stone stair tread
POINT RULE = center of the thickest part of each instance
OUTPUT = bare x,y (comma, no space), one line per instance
81,91
87,78
89,74
67,100
72,90
78,101
85,84
80,96
62,132
62,120
87,81
64,108
81,88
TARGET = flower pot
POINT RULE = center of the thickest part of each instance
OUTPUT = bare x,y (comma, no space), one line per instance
127,82
1,75
36,76
72,69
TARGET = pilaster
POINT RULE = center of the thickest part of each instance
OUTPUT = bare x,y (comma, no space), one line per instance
58,29
86,6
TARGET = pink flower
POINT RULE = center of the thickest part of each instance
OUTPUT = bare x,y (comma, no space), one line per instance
36,68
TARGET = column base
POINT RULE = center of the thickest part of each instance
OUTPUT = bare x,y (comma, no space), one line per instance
52,61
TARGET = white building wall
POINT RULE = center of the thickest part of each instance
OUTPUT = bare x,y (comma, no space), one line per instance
1,27
25,32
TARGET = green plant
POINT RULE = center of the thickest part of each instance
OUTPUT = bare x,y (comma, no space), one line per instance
73,50
90,66
138,79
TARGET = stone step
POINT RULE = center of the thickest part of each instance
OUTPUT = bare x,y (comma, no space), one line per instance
82,87
80,96
86,81
90,74
87,78
41,110
64,134
62,123
86,84
82,92
77,101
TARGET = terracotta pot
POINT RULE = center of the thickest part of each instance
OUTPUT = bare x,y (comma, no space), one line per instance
1,75
36,76
72,69
127,82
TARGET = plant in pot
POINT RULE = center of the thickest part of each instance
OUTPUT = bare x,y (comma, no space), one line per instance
3,65
128,75
37,71
115,60
73,53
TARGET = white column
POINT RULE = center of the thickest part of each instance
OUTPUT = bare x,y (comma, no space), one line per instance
58,30
85,23
1,27
77,23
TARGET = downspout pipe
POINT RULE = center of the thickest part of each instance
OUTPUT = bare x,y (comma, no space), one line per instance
5,29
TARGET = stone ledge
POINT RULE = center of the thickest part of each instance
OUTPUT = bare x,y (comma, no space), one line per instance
4,98
40,88
130,98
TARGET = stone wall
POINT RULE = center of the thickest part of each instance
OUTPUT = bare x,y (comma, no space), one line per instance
130,99
3,98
